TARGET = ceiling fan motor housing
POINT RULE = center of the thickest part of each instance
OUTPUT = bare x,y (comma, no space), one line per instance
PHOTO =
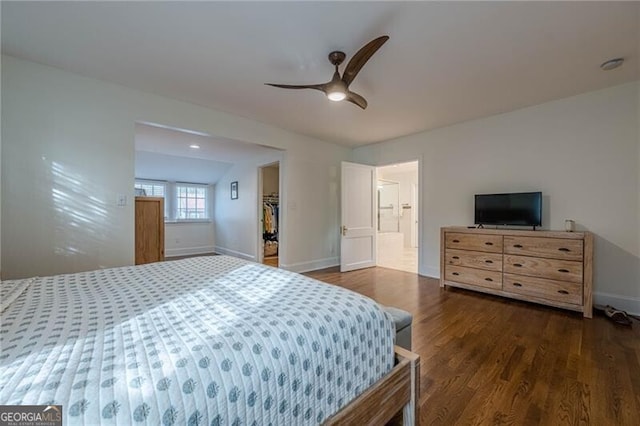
337,57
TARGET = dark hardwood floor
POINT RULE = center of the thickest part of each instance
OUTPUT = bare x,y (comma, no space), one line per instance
486,360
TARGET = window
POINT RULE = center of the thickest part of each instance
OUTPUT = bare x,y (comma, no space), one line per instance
154,189
182,201
191,201
151,189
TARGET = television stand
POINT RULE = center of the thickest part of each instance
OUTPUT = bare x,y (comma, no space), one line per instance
547,267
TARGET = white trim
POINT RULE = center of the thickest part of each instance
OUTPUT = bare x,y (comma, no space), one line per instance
186,251
229,252
312,265
626,303
183,221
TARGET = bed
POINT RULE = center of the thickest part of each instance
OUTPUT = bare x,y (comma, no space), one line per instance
210,340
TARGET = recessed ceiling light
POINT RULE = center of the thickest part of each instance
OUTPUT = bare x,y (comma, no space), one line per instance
611,64
194,146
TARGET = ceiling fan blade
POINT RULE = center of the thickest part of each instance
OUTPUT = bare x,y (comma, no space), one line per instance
320,87
359,59
354,98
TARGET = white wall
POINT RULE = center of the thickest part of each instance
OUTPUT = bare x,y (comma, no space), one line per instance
0,162
581,152
185,238
308,205
237,221
67,154
68,151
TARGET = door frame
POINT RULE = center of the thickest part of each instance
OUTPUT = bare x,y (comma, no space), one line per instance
420,202
259,250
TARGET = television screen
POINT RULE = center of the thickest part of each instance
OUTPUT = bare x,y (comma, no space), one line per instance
522,209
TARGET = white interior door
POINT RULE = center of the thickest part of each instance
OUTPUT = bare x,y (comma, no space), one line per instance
358,240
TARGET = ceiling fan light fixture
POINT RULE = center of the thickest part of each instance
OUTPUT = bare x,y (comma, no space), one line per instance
336,95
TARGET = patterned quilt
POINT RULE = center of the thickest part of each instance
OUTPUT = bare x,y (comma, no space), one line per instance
209,340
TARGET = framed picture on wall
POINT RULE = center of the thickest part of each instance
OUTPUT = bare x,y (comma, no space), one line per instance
234,190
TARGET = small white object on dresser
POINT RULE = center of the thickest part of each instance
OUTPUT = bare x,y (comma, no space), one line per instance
549,267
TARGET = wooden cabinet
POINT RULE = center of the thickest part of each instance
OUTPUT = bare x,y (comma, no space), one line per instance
548,267
149,229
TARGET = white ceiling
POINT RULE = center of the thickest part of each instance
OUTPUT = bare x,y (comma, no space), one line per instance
152,138
445,62
410,167
165,154
151,165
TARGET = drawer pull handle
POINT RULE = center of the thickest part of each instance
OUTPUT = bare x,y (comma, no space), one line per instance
488,261
455,273
563,270
518,265
564,249
563,292
455,241
489,243
488,279
517,245
456,257
517,284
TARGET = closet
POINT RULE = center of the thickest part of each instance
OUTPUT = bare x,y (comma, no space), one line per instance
149,229
270,210
270,214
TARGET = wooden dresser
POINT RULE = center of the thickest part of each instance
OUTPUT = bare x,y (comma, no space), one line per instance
549,267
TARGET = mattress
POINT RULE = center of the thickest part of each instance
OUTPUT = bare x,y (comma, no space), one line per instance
210,340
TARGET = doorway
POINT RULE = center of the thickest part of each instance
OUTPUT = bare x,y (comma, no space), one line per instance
269,206
397,211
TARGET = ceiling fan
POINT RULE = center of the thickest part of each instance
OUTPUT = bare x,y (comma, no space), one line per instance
338,88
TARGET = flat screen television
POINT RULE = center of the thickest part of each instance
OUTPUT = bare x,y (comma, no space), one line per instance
515,209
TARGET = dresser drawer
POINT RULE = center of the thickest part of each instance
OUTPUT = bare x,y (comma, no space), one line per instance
560,291
563,270
474,259
552,248
474,242
477,277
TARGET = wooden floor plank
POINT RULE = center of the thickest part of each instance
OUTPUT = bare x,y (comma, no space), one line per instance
486,360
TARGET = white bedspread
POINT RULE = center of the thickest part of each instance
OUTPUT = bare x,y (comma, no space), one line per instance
209,340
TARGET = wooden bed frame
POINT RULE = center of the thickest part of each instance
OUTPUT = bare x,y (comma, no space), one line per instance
393,397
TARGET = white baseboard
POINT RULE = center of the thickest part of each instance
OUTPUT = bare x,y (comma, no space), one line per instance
234,253
187,251
312,265
625,303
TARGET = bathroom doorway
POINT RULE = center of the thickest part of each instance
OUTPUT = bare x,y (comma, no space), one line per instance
398,195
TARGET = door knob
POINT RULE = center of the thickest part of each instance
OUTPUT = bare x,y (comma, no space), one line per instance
343,229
